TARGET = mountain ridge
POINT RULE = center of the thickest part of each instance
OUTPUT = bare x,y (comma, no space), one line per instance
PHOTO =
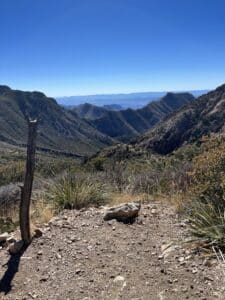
126,124
187,124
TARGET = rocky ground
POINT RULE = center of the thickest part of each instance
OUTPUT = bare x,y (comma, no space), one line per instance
80,256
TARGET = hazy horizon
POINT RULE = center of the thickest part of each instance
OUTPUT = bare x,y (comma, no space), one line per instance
133,92
131,100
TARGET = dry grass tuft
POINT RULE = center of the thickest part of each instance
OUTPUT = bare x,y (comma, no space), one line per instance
42,212
119,198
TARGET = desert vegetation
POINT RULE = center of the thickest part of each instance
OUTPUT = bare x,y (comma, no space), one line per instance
192,178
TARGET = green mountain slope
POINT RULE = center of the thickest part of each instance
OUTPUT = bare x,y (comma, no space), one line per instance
188,124
59,129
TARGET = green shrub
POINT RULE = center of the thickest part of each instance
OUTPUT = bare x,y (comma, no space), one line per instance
208,223
98,164
50,165
7,225
77,191
206,193
12,172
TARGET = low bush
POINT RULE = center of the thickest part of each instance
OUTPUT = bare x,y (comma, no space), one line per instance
208,223
7,225
76,191
12,172
205,203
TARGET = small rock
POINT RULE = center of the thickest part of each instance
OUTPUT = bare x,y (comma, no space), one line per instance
10,240
207,278
111,222
44,279
119,278
54,221
210,262
58,256
3,237
33,296
37,233
181,259
16,247
140,221
188,257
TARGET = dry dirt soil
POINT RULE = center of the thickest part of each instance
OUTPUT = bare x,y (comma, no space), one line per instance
80,256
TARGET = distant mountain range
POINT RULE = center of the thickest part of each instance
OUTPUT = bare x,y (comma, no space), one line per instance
126,124
76,132
132,100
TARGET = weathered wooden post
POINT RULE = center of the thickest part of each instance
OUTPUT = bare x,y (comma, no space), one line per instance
26,190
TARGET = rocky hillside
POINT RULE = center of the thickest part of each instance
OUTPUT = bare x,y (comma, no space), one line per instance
89,111
59,129
126,124
92,112
188,124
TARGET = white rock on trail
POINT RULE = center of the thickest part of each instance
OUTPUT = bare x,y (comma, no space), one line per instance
124,212
3,237
119,278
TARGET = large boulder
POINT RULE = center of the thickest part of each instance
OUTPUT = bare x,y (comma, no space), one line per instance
126,212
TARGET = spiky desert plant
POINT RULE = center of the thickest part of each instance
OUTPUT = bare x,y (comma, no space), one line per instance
77,191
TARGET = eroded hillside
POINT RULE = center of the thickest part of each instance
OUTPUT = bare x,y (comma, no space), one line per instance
201,117
58,129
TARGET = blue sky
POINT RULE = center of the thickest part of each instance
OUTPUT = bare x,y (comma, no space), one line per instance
74,47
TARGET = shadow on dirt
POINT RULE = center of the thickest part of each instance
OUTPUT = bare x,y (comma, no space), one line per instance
12,268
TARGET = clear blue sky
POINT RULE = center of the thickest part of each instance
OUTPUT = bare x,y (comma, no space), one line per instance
72,47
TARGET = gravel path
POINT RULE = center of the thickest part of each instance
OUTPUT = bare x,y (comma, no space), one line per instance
80,256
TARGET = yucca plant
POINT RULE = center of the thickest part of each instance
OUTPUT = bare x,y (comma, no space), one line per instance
77,191
208,223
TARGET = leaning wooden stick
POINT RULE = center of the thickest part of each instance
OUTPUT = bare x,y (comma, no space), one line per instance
26,190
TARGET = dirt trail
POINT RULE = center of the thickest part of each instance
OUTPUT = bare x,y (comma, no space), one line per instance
80,256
